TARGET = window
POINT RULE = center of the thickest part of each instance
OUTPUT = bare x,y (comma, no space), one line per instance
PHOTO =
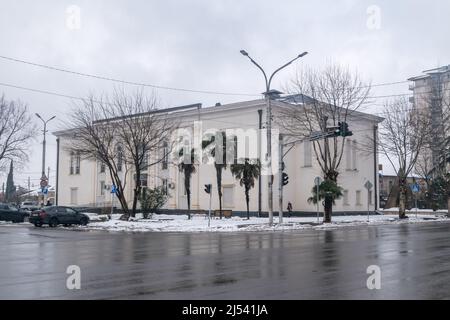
358,197
77,163
165,186
102,167
345,196
119,158
143,179
73,196
72,162
143,152
228,196
307,156
165,156
102,188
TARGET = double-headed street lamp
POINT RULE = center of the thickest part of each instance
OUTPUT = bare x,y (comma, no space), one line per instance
44,177
268,94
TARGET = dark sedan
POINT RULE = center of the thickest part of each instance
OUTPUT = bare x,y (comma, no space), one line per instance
11,213
55,215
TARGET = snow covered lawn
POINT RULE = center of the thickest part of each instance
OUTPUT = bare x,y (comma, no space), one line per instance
199,223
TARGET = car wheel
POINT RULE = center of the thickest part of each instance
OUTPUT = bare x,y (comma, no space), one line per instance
38,224
83,221
53,222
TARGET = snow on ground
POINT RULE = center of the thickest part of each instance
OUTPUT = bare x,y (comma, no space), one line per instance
199,223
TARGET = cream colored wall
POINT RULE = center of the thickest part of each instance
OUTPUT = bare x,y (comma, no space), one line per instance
301,179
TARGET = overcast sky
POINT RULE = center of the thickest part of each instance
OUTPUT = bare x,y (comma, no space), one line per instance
195,45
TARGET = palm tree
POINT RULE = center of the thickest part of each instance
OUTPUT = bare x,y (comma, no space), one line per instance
329,191
219,165
188,168
246,173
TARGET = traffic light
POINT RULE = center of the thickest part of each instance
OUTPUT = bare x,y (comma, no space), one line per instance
285,178
208,188
343,130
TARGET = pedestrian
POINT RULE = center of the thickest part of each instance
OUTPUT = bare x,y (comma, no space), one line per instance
289,208
48,204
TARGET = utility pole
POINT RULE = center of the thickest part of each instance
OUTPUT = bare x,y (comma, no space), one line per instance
280,179
44,179
259,156
267,95
375,166
325,141
29,184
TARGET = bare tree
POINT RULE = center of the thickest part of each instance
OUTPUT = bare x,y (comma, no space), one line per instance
327,97
95,139
402,137
16,132
127,131
144,130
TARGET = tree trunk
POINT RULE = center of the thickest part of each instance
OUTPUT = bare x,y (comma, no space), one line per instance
328,209
402,203
247,200
448,206
328,212
187,186
137,190
219,187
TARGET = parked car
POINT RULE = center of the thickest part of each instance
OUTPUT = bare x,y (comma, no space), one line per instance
29,206
10,213
55,215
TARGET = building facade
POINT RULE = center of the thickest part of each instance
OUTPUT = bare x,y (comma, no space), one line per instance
86,183
431,93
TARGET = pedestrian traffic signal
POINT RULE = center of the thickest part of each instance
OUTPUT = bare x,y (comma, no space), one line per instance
343,130
285,178
208,188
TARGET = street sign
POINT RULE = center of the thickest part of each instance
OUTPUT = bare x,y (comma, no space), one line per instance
317,181
415,188
368,185
113,189
44,183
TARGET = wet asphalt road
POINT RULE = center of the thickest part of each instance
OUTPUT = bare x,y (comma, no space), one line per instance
414,262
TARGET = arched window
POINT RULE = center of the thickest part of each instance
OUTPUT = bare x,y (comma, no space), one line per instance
119,151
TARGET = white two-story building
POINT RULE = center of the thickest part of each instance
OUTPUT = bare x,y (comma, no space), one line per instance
86,183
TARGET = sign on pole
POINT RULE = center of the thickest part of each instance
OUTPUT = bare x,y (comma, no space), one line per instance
368,185
415,188
317,182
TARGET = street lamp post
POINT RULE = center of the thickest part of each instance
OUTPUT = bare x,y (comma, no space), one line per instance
267,96
43,177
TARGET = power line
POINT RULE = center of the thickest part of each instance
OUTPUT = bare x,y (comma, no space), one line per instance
124,81
96,101
158,86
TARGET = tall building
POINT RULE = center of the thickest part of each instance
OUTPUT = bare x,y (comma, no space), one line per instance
431,93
